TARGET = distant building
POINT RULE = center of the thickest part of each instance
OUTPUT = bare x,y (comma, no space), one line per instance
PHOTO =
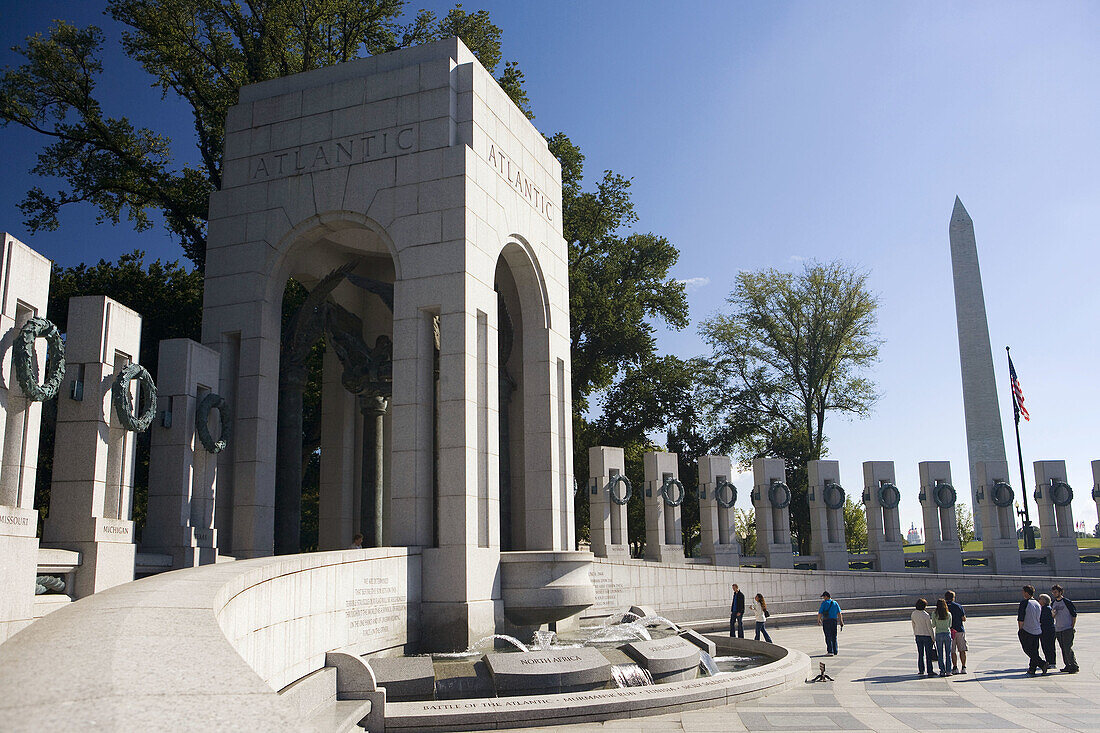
913,537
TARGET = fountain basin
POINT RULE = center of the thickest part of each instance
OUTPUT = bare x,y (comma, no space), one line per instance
787,667
541,587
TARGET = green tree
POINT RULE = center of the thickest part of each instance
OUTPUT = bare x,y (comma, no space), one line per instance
855,526
745,525
619,285
964,521
199,53
793,351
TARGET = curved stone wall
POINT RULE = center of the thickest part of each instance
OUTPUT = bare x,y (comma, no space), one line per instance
206,648
693,592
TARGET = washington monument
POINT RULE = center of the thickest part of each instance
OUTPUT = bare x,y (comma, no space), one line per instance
984,437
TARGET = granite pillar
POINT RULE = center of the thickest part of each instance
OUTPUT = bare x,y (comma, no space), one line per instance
664,539
607,517
771,499
182,472
881,498
1054,504
996,498
717,515
91,497
826,498
941,530
25,281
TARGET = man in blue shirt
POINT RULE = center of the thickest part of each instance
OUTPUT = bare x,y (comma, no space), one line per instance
958,635
829,616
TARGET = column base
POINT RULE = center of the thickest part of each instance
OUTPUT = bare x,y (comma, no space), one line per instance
456,626
614,552
833,558
1064,557
103,565
778,556
189,547
18,567
1004,556
890,559
726,555
665,553
946,559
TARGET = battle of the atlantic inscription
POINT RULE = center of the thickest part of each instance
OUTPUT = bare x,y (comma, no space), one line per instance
376,613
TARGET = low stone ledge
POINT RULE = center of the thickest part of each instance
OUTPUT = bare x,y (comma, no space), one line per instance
164,653
405,678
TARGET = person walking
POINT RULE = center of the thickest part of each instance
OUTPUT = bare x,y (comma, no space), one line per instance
1046,635
922,630
941,624
829,618
1065,620
760,610
737,613
958,634
1027,616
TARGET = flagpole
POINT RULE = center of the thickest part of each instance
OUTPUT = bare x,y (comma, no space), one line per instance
1029,531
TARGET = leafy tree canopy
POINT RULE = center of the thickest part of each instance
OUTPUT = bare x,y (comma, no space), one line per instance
793,349
618,280
200,52
619,284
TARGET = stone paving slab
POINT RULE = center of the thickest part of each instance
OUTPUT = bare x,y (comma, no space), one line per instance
876,688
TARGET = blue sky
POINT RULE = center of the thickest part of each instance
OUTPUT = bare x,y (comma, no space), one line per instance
766,134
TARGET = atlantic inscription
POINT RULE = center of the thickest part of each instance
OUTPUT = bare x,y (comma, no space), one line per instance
519,180
332,153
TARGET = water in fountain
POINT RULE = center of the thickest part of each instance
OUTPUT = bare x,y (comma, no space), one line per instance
614,633
630,675
654,620
707,663
502,637
543,640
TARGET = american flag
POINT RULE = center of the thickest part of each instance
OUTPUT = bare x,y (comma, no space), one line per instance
1017,394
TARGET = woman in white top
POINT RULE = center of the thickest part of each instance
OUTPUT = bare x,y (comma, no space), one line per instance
760,608
922,630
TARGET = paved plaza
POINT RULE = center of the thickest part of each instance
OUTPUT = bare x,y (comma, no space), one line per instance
876,688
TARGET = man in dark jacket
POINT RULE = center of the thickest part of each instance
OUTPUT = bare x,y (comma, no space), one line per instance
737,613
1065,619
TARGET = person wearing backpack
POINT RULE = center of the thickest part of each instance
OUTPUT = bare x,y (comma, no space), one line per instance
760,609
830,618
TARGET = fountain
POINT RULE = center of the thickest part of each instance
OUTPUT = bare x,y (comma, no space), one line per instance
519,645
630,675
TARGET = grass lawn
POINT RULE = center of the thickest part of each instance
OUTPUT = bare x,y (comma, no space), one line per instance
1082,542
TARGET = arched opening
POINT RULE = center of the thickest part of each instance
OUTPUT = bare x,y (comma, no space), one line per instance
523,374
334,430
